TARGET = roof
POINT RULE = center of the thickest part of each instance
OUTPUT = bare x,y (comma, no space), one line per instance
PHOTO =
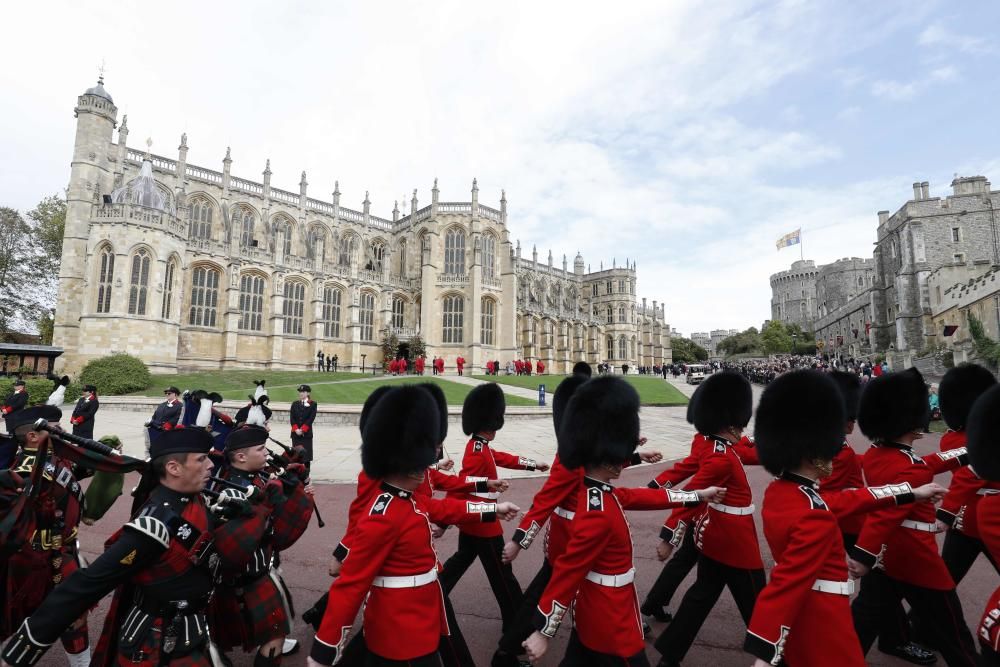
41,350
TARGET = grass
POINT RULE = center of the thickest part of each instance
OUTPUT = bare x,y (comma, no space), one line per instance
327,388
653,390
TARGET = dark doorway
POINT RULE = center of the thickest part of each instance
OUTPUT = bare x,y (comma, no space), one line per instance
403,352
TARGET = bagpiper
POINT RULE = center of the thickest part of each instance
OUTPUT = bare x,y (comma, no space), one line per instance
595,575
803,616
84,412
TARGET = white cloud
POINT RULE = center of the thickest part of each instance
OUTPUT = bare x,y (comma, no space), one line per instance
898,91
937,35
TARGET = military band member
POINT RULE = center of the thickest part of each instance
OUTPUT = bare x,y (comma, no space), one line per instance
250,608
984,454
896,553
163,563
600,433
166,416
803,615
17,400
482,416
51,556
392,566
83,414
302,414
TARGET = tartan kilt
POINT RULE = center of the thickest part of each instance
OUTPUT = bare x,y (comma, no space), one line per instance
31,576
291,519
147,653
237,539
248,615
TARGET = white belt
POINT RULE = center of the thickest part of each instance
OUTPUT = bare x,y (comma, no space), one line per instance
921,526
409,581
565,513
729,509
835,587
491,495
612,580
987,492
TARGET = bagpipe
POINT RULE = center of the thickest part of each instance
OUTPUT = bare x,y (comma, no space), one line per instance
277,463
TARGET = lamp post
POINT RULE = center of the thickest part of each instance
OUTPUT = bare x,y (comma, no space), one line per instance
794,338
363,356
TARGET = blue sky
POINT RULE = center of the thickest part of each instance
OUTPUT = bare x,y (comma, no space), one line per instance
686,136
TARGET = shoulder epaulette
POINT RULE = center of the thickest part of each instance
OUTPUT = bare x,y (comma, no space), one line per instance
816,501
720,448
152,527
381,504
595,500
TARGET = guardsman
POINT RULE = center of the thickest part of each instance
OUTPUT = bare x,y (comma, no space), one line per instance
460,363
894,629
166,416
482,416
302,415
17,400
896,553
984,454
251,607
439,365
51,557
803,616
595,575
419,364
163,563
393,366
725,534
83,414
392,567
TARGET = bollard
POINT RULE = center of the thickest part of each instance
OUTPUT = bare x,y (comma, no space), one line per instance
541,395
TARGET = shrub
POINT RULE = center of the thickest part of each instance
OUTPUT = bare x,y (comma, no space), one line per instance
116,375
38,389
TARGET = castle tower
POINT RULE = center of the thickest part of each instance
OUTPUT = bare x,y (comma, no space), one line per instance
91,175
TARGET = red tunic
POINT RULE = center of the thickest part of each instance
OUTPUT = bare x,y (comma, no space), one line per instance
901,539
958,509
480,464
393,540
989,531
606,615
419,363
846,475
791,619
555,502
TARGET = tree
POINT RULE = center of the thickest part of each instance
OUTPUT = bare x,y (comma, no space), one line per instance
49,222
686,351
18,310
775,338
742,343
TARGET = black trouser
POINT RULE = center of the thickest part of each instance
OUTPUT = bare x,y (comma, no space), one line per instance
523,623
431,660
501,577
673,573
989,657
893,623
744,585
939,612
578,655
959,553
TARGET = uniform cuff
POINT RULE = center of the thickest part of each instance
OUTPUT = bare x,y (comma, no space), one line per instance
903,492
945,517
524,538
674,536
770,652
482,486
23,649
689,498
863,556
340,553
548,624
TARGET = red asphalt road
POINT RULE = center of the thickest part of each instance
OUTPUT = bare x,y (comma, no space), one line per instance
719,643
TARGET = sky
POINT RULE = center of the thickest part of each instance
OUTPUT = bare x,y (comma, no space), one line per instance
684,136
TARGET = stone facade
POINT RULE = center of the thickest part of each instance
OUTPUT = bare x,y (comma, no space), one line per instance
958,291
925,234
793,294
191,268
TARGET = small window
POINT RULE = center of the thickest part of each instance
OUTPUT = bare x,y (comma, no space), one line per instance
608,288
956,234
593,289
959,258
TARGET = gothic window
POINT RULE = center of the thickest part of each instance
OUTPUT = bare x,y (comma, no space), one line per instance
251,302
608,287
611,347
138,283
454,252
623,348
402,257
611,315
489,256
397,312
315,237
621,286
486,325
593,289
285,230
168,289
377,256
294,306
104,280
332,297
367,316
346,249
201,219
245,219
204,297
621,315
453,319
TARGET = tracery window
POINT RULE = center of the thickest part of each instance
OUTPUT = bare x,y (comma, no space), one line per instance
138,283
204,297
104,280
251,302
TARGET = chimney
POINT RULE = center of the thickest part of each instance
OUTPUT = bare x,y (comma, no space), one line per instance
883,217
925,189
916,191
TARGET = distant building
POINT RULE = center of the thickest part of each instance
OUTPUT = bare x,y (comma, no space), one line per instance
793,294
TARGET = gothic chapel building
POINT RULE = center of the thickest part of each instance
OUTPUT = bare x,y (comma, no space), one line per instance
190,268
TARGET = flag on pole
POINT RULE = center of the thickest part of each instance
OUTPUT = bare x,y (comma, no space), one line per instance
790,238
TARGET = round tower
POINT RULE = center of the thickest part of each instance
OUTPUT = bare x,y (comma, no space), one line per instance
578,268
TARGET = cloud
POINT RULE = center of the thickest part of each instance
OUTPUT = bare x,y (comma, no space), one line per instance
937,35
898,91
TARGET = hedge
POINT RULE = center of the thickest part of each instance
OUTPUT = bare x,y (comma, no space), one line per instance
38,389
116,375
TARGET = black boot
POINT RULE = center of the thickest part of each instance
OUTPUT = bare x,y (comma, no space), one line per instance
261,660
911,652
656,612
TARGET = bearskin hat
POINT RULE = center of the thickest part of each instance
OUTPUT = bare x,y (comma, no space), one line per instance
30,415
893,404
582,368
849,385
483,409
959,389
600,424
981,433
370,402
722,400
800,417
400,434
442,404
560,399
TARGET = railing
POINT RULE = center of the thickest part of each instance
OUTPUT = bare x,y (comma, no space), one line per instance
380,223
139,215
256,254
351,215
455,207
453,279
298,262
285,196
321,206
422,214
489,213
203,174
370,276
208,246
335,269
246,186
405,332
159,162
492,282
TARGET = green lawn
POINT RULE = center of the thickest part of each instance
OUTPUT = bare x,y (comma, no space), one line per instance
652,390
343,392
239,381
